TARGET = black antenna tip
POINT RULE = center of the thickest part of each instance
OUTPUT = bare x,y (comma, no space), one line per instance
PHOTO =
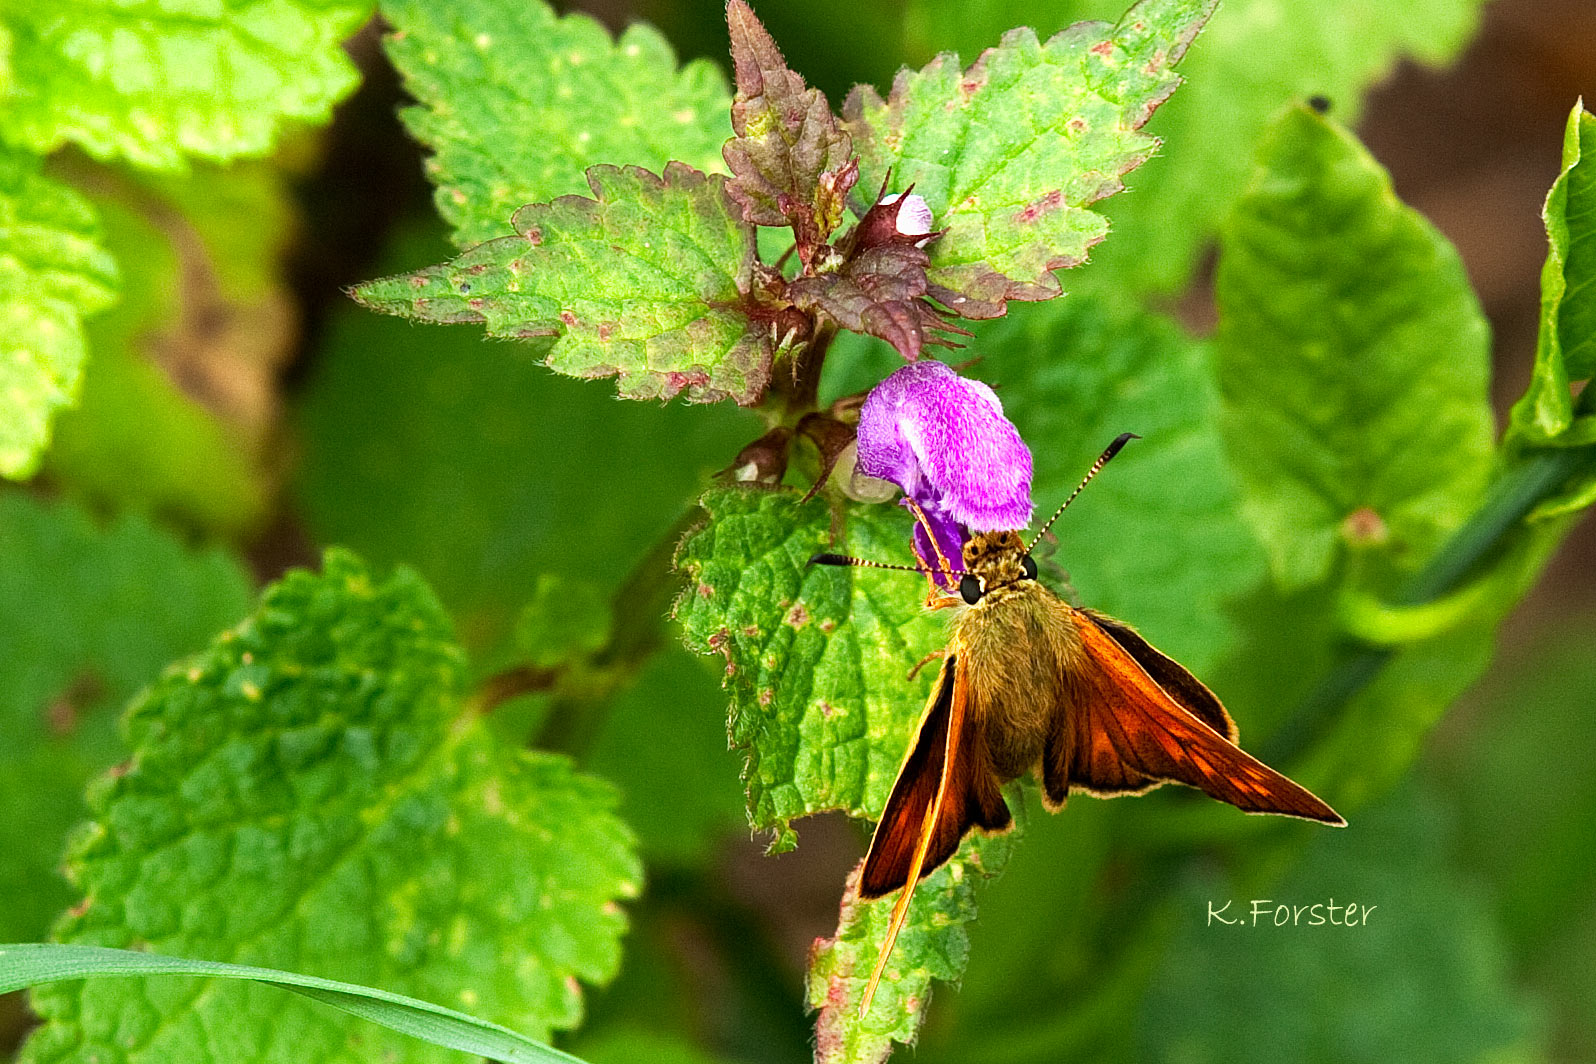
1119,441
830,559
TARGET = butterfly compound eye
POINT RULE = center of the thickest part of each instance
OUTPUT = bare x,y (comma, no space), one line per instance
1028,564
970,588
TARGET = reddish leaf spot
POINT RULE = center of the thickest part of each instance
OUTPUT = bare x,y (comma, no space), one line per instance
828,625
1050,202
797,617
705,591
1364,527
535,235
751,631
475,303
604,330
693,378
567,317
1077,125
827,710
766,697
1103,48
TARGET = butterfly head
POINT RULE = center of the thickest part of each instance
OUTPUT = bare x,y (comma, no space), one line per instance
994,562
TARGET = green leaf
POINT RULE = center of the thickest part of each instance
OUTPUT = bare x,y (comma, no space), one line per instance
650,281
1256,57
179,402
516,103
790,160
307,795
1354,361
1565,349
166,80
934,944
1011,153
88,616
38,964
432,448
1156,540
1423,974
53,273
817,658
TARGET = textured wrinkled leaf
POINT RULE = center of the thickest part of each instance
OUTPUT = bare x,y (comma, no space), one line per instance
790,157
53,273
1353,357
934,944
429,447
1011,153
88,615
817,662
179,404
1565,350
163,80
817,657
306,795
649,282
516,103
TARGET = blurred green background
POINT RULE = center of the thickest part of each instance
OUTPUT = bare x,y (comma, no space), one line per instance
238,406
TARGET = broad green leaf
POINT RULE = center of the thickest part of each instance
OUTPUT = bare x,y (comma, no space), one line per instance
516,103
817,658
934,944
179,402
308,795
1565,350
38,964
818,661
1256,57
650,281
1353,360
53,273
485,470
1422,973
88,615
1156,539
1011,153
156,83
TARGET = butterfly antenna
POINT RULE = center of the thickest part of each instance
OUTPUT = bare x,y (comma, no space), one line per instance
844,559
1102,460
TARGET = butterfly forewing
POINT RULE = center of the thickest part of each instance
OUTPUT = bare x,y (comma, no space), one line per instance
1119,732
972,798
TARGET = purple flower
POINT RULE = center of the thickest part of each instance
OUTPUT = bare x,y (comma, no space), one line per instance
944,440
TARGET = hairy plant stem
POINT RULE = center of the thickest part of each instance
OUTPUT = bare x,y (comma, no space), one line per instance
807,366
582,689
1483,537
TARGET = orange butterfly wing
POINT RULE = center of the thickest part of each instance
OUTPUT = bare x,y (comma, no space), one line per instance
1123,733
945,756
